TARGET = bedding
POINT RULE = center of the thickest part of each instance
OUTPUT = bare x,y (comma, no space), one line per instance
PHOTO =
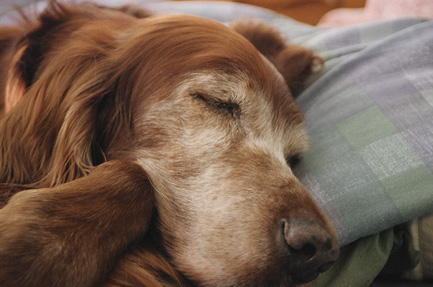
369,115
377,10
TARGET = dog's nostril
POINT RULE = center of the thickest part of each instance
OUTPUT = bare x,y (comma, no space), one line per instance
297,248
305,253
310,247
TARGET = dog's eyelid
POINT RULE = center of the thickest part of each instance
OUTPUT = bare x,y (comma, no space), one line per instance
217,104
200,96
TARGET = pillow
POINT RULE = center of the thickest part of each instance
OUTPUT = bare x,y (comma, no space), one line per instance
370,118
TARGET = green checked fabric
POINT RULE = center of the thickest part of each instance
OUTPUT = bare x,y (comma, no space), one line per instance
370,118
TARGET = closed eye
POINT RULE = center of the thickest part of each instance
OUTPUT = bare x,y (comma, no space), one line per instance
231,108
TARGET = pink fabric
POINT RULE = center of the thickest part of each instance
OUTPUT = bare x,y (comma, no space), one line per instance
378,10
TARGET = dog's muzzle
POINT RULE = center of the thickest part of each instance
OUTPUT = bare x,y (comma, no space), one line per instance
310,248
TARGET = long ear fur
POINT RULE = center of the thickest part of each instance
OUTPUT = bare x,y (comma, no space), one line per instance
294,62
12,86
144,266
69,114
72,234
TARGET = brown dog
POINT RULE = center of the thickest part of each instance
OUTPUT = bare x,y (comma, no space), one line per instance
153,151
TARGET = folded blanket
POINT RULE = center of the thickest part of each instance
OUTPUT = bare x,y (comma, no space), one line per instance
370,118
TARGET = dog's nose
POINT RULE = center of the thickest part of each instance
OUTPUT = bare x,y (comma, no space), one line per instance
311,248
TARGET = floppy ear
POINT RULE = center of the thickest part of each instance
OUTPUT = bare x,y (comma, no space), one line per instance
12,85
294,62
69,98
73,234
144,266
22,48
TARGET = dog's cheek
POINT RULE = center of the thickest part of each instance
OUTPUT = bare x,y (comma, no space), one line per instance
225,248
230,237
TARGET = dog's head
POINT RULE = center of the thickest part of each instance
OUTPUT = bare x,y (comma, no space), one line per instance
218,130
209,115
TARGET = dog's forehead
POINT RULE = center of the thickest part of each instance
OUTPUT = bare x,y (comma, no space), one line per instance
196,43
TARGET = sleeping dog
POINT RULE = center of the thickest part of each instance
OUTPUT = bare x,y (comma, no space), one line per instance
153,150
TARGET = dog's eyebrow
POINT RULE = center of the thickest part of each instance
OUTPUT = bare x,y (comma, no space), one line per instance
219,105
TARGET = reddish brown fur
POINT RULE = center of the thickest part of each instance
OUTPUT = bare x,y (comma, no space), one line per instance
295,63
142,139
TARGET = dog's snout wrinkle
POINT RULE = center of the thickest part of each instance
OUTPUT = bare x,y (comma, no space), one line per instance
311,249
